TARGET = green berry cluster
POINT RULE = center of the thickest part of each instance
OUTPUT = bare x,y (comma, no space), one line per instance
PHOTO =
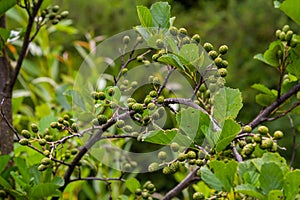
146,191
51,14
262,139
287,35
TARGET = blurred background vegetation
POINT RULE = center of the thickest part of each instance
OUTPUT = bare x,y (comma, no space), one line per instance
246,26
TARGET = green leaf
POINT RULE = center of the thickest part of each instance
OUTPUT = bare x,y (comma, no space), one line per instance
210,179
225,172
164,137
23,168
161,14
3,162
270,55
6,5
271,177
292,9
4,183
227,104
132,184
193,123
59,181
77,98
275,195
262,88
291,186
250,190
264,99
145,16
43,190
189,52
293,68
229,131
4,34
171,59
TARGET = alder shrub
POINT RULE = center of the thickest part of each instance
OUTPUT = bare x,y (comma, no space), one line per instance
153,100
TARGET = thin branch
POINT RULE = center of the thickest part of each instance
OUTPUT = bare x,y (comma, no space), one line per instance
7,121
189,179
170,70
263,116
284,113
197,88
97,179
26,41
294,150
237,156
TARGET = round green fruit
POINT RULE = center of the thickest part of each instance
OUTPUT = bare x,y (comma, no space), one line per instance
175,147
55,8
208,46
266,144
182,32
102,119
46,153
120,123
34,128
49,138
166,170
174,31
155,56
186,40
278,134
46,161
213,54
198,196
138,108
285,28
181,157
191,155
247,129
153,93
151,106
111,91
223,49
53,124
159,43
42,167
162,155
127,128
257,138
223,72
263,130
160,100
24,141
196,38
64,14
42,142
153,167
126,39
25,134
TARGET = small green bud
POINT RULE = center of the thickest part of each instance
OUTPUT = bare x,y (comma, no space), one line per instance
153,93
74,127
223,49
274,147
153,167
266,144
224,64
175,147
49,138
218,61
34,128
159,43
285,28
64,14
66,123
174,31
282,36
128,128
42,167
257,138
208,47
127,167
223,72
46,161
95,122
131,100
139,40
60,120
126,39
247,129
151,106
182,32
186,40
181,157
288,36
156,81
198,196
53,124
162,155
138,108
263,130
55,21
213,54
160,100
278,134
42,142
102,119
196,38
156,116
155,56
111,91
124,71
23,141
46,153
166,170
191,155
120,123
55,8
242,143
74,151
277,33
25,134
140,58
